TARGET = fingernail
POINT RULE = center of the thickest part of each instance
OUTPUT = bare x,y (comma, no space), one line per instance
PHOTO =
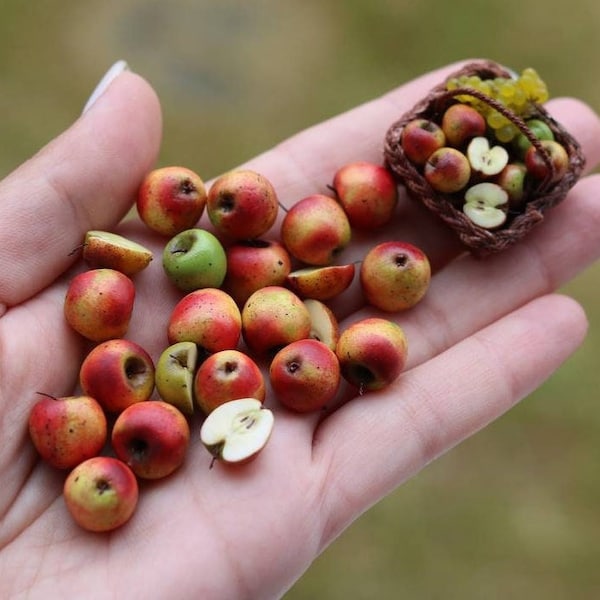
106,80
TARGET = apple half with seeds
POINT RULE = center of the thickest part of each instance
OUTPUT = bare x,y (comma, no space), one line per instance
486,204
236,431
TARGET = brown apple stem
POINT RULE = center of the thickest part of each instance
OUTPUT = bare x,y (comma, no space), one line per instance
284,208
77,249
47,395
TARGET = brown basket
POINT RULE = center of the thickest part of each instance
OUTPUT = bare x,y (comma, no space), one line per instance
545,194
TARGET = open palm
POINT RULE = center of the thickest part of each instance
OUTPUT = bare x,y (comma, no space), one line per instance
487,333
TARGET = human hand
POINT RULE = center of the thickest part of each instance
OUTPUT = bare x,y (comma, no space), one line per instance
487,334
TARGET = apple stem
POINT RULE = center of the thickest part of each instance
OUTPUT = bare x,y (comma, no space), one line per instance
283,207
77,249
212,462
47,395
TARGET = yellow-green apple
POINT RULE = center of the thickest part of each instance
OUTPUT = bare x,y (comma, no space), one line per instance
461,123
367,192
512,180
235,432
394,275
555,164
68,430
372,353
242,204
171,199
104,249
315,230
486,204
254,264
174,375
227,375
101,493
273,317
99,303
540,129
194,259
208,317
420,139
324,325
152,438
117,373
305,375
484,159
321,283
447,170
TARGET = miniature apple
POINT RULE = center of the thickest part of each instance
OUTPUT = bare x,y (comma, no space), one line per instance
512,180
235,432
273,317
101,493
558,163
484,159
324,325
315,229
208,317
171,199
195,259
117,373
99,303
227,375
420,139
66,431
395,275
174,375
254,264
447,170
486,204
152,438
372,353
242,204
540,129
461,123
305,375
367,192
321,283
103,249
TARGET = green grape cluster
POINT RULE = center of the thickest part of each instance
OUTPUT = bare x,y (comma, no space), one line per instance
519,94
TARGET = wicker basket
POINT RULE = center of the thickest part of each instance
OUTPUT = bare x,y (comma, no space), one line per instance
539,197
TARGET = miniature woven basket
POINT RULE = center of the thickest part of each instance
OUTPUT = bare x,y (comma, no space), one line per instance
540,195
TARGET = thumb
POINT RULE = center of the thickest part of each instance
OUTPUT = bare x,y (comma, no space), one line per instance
86,178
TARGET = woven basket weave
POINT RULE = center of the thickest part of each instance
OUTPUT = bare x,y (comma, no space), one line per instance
539,196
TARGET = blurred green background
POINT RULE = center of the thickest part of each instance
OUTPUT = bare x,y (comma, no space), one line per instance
514,511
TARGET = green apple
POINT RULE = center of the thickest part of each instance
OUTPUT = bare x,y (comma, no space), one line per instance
174,375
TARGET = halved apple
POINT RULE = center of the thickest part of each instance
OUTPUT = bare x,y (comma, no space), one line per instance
103,249
236,431
321,283
324,325
174,376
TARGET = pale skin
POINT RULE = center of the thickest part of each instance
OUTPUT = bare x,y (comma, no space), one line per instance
252,532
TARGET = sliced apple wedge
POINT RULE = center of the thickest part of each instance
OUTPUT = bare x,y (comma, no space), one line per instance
103,249
324,325
321,283
236,431
174,375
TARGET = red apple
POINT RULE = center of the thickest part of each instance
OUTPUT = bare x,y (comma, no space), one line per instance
321,283
395,275
447,170
171,199
273,317
101,493
461,123
372,353
558,165
367,192
242,204
208,317
66,431
315,229
254,264
227,375
99,303
420,139
152,438
117,373
305,375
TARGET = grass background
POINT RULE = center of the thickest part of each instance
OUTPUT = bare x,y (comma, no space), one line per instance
514,511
